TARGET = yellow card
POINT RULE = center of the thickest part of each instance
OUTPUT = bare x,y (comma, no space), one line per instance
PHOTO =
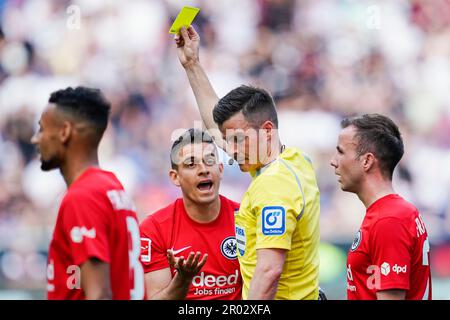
184,18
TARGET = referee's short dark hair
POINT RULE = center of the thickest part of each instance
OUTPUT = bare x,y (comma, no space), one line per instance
256,104
190,136
379,135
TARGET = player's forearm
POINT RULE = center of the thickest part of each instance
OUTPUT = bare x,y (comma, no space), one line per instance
176,290
264,284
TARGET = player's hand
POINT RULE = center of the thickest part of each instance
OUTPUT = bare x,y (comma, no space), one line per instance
188,44
187,268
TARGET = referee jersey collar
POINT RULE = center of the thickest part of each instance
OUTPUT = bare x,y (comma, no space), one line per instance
258,172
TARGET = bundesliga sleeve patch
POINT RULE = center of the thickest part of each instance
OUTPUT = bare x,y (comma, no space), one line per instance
146,249
273,221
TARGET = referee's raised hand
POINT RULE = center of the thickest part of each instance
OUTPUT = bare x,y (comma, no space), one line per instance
188,44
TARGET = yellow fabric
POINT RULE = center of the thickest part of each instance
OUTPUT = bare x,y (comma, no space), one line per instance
281,210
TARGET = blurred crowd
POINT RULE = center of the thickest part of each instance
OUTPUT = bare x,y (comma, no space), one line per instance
321,59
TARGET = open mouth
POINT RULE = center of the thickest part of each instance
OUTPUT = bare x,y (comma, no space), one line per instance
205,185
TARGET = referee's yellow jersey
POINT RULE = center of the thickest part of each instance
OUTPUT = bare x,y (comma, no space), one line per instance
281,210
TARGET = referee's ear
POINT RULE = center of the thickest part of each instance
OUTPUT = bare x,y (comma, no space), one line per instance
173,175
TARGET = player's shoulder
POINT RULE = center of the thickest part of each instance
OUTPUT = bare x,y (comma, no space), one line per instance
79,195
229,204
162,216
395,209
93,184
96,179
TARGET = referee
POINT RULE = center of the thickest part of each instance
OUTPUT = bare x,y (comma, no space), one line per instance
277,226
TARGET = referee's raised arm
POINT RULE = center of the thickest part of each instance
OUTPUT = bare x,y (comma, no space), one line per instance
188,44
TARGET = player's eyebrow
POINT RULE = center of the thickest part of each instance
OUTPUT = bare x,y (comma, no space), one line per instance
189,159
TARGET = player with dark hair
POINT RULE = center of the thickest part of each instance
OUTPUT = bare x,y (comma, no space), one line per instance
277,226
200,221
389,258
94,253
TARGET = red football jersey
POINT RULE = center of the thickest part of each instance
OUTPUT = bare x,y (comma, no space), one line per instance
172,228
390,251
96,220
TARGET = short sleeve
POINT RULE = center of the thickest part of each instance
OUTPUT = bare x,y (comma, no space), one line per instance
85,222
390,250
153,251
276,212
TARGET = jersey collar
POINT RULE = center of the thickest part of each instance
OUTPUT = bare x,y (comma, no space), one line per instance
258,172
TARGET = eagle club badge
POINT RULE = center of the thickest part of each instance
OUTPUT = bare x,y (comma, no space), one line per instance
228,248
356,241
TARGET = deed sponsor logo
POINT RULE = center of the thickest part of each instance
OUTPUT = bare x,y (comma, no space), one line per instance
209,285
